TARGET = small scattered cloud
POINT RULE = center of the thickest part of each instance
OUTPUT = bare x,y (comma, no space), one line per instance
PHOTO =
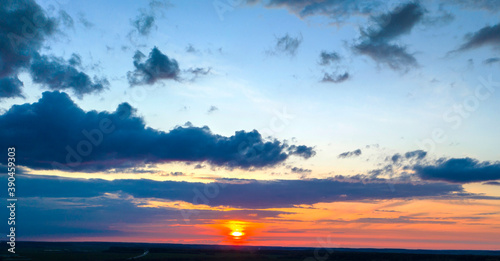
156,67
287,45
82,18
327,58
143,23
190,49
349,154
488,35
335,78
376,40
300,170
491,60
212,109
66,19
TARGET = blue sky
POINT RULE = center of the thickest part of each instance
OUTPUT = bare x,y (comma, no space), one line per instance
408,76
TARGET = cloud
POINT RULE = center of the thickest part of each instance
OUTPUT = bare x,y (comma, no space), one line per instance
212,109
349,154
190,49
487,5
66,19
302,151
491,60
335,78
23,29
459,170
83,20
198,71
251,194
327,58
10,87
54,133
156,67
287,45
375,41
300,170
334,9
143,23
488,35
58,74
495,183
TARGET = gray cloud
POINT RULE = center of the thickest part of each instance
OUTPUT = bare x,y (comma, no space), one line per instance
10,87
23,29
300,170
156,67
459,170
327,58
212,109
247,194
143,23
375,41
287,45
491,60
488,35
58,74
54,133
335,78
334,9
349,154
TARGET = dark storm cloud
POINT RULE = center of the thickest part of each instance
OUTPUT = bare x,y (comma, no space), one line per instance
10,87
459,170
287,45
488,35
349,154
58,74
54,133
23,29
156,67
327,58
375,41
143,23
246,194
491,60
335,78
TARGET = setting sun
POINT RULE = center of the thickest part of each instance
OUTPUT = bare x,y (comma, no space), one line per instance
237,234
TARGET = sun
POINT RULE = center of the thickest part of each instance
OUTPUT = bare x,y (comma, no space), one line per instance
237,234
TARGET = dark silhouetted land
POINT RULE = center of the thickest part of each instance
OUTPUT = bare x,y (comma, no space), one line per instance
94,251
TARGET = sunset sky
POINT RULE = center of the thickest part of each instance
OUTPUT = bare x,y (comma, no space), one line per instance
317,123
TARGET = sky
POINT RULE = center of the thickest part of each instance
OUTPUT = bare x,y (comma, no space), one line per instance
317,123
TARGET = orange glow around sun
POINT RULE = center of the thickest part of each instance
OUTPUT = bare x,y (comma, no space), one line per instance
236,232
